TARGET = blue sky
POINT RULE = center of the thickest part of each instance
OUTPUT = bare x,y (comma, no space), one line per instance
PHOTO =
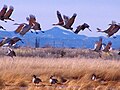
97,13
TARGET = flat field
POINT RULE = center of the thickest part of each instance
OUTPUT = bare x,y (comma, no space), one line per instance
77,70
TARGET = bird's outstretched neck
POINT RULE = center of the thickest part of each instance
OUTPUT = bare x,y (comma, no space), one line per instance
99,30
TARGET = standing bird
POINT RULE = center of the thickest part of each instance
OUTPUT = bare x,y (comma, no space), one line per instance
1,27
53,80
111,30
11,53
82,27
36,80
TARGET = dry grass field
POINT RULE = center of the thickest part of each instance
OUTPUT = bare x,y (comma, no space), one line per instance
76,66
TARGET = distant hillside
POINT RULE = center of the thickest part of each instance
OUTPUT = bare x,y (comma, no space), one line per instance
57,37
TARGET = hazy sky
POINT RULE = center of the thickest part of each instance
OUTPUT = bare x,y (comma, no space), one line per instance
97,13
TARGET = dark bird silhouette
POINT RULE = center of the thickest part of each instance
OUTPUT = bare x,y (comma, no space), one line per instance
67,22
5,15
111,30
82,27
53,80
19,28
36,26
36,80
4,41
60,19
11,53
9,13
14,40
70,22
2,12
1,27
108,47
10,41
23,28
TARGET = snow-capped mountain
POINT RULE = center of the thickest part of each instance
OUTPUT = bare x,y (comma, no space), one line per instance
57,37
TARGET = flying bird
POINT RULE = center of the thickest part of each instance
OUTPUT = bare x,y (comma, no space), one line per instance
23,28
82,27
35,25
111,30
60,19
14,40
98,45
5,15
10,41
4,41
70,22
66,22
19,28
108,47
9,13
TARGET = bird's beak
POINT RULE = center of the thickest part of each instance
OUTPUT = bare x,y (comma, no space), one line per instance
89,29
21,41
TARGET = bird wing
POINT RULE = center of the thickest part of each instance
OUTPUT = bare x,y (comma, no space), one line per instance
59,16
36,26
98,45
114,30
32,19
25,29
71,20
66,19
108,46
78,29
16,39
19,28
110,28
9,12
1,43
3,11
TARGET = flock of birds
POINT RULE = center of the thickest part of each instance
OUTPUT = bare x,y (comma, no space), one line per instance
62,81
63,21
100,46
52,80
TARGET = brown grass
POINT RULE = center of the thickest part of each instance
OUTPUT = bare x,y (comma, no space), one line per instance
17,74
77,71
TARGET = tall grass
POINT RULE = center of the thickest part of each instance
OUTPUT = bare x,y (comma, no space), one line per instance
77,71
